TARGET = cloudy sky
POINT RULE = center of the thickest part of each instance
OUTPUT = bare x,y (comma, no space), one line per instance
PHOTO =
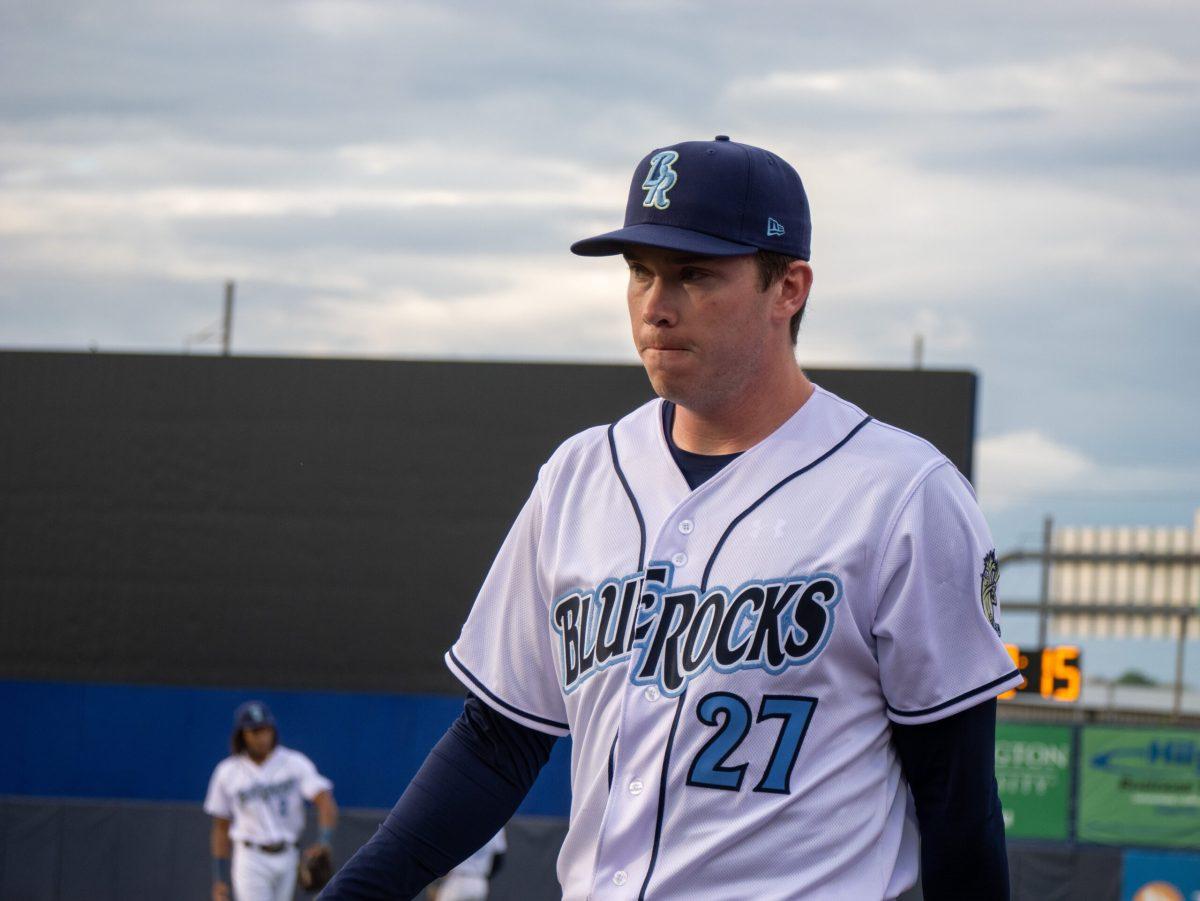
1018,182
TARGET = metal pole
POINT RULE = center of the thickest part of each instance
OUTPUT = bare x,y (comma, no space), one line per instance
227,321
918,351
1044,590
1073,777
1190,606
1177,703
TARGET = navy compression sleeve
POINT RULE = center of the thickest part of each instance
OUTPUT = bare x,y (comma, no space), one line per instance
950,767
468,787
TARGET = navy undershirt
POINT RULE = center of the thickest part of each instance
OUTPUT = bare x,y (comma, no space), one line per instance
696,468
478,773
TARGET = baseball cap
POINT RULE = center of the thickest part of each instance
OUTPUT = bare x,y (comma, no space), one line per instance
253,715
713,198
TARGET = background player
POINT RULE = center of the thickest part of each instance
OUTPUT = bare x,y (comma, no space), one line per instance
256,799
469,880
759,613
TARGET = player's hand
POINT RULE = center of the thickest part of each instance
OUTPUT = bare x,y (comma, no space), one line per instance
316,867
220,891
317,848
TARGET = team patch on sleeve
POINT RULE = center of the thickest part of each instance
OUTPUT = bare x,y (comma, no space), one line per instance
987,592
673,634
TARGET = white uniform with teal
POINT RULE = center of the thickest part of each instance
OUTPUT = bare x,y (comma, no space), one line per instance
727,660
265,804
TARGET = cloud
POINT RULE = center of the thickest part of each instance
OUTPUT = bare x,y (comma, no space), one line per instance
1078,83
1016,184
558,310
357,19
1058,115
1016,468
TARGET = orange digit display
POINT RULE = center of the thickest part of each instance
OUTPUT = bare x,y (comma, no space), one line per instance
1052,673
1061,679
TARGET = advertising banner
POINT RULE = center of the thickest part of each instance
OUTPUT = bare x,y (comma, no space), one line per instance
1140,787
1033,771
1160,876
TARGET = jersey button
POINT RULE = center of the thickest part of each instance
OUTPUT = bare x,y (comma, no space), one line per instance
686,526
636,786
651,693
620,877
679,559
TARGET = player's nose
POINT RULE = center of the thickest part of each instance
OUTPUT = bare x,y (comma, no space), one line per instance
659,306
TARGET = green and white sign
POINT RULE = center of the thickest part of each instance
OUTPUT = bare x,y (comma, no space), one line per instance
1033,771
1140,787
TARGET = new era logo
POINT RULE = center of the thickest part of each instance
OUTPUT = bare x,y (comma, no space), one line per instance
773,228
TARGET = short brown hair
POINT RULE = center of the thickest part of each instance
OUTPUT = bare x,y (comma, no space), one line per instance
771,268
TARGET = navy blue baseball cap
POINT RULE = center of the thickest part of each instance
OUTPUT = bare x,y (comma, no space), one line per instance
253,715
714,198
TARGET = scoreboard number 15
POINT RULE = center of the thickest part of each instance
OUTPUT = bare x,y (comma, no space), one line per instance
1052,673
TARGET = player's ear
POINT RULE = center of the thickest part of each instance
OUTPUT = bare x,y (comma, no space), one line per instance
793,289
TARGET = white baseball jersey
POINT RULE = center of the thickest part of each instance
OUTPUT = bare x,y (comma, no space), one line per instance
265,802
727,659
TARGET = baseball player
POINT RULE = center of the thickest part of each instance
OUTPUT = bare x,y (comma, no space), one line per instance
256,799
469,880
764,618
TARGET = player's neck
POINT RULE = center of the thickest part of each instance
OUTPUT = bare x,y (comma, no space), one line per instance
744,421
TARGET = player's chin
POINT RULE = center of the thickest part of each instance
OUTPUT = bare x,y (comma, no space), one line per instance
672,386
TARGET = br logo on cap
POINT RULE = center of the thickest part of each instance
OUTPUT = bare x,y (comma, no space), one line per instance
660,179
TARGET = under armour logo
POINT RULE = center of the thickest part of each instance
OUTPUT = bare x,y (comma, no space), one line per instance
660,179
773,227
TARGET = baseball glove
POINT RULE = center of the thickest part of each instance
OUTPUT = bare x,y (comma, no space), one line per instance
315,868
